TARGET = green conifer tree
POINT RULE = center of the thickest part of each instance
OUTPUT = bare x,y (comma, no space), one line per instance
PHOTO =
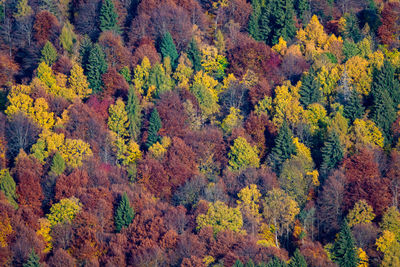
154,126
168,49
344,251
352,29
297,260
124,214
249,263
353,108
49,54
96,67
284,147
264,27
385,79
193,53
238,263
254,21
276,262
86,46
160,79
7,185
58,164
126,73
33,260
310,91
302,7
108,17
332,152
134,111
282,20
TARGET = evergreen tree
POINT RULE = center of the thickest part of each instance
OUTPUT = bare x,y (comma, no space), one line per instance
193,53
154,126
84,52
134,111
160,79
249,263
352,28
168,49
58,164
281,18
238,263
33,260
353,108
332,152
385,79
96,67
49,54
310,91
302,7
253,28
8,186
264,25
344,251
297,260
276,262
108,17
284,147
124,214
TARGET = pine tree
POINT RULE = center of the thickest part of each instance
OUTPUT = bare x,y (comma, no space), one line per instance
264,28
276,262
310,91
108,17
154,126
352,29
297,260
332,152
344,251
302,8
353,108
33,260
58,164
253,28
7,185
49,54
96,67
134,111
193,53
385,79
168,49
281,18
249,263
86,46
284,147
124,214
238,263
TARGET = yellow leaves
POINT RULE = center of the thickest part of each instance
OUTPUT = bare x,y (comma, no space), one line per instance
158,150
19,103
212,62
302,150
264,106
5,230
78,82
376,59
249,198
359,74
243,155
366,132
47,143
231,121
40,114
362,258
312,38
266,236
64,211
315,115
74,151
314,177
384,242
221,217
329,78
141,75
204,90
183,72
361,213
118,119
281,46
44,232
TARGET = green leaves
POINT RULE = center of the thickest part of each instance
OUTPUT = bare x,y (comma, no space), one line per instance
124,214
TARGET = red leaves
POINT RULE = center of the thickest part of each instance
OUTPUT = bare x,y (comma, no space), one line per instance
46,27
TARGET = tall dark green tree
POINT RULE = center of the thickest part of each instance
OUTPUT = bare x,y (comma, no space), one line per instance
86,46
8,186
302,8
154,126
264,28
297,260
95,68
282,20
332,152
344,251
58,164
249,263
168,49
238,263
33,260
352,28
284,147
124,214
108,17
276,262
353,108
253,28
310,91
385,79
193,53
134,111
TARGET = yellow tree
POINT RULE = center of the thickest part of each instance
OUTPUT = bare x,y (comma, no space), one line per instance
204,89
78,82
312,38
183,72
74,151
141,76
391,221
366,132
316,115
19,103
249,199
212,62
118,119
360,74
231,121
41,115
361,213
5,230
243,155
64,211
44,233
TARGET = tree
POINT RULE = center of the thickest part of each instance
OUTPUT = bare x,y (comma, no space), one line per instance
74,152
124,213
276,262
108,17
49,54
282,20
154,126
344,251
243,155
221,217
203,89
284,147
33,260
302,8
159,80
352,29
332,152
168,49
193,53
353,108
118,119
95,68
297,260
391,221
7,185
310,91
134,111
361,213
68,38
23,9
389,245
385,79
78,82
64,211
58,164
264,27
254,20
238,263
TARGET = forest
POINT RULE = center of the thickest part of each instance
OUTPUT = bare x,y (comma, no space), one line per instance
237,133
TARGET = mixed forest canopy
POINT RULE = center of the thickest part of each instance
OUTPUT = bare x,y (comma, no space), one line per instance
200,133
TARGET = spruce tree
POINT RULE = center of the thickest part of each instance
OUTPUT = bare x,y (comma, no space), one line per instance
33,260
96,67
193,54
332,152
134,111
353,108
108,17
276,262
297,260
253,28
84,52
154,126
302,7
124,214
58,164
281,20
49,54
344,250
385,79
264,25
8,186
238,263
284,147
249,263
168,49
352,29
310,91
